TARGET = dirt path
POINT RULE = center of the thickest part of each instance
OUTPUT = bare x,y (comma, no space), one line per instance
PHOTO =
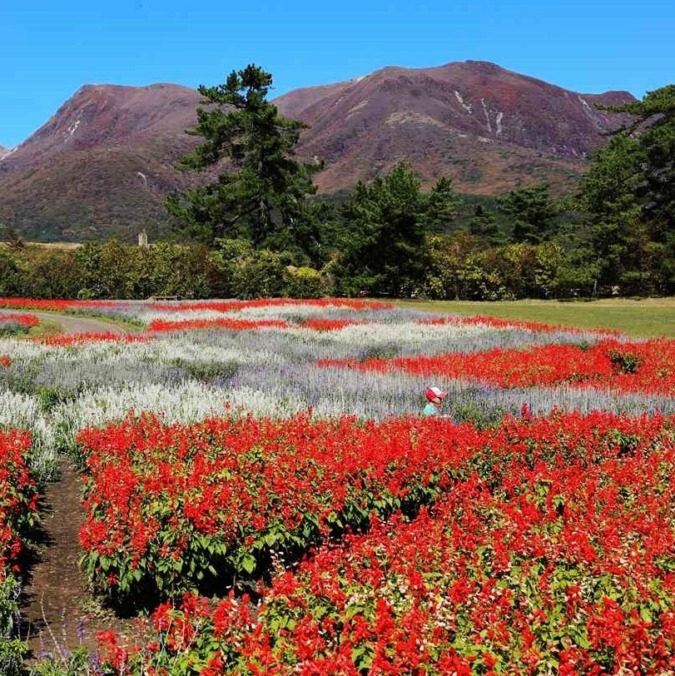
76,324
58,612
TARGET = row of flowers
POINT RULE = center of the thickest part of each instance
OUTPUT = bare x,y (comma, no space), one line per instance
208,313
57,385
18,515
13,323
18,496
647,367
24,319
173,507
228,306
563,561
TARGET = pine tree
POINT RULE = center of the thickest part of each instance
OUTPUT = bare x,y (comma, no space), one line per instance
533,212
261,188
483,226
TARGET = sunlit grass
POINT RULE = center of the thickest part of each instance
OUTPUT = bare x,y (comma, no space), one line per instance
647,318
46,327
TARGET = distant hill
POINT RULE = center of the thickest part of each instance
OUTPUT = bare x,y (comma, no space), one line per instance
487,127
105,161
3,151
101,165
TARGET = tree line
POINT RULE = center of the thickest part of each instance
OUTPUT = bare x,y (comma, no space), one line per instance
254,226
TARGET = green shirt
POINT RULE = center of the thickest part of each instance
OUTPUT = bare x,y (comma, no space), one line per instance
430,409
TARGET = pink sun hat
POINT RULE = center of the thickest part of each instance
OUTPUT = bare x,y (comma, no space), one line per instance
435,393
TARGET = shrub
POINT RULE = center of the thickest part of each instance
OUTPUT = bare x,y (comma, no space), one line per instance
304,283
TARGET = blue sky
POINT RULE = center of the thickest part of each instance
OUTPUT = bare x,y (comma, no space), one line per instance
49,48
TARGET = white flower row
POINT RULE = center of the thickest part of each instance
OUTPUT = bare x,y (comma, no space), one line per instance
149,316
294,311
188,402
404,332
21,411
162,350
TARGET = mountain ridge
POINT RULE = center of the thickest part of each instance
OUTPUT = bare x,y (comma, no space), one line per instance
104,162
471,99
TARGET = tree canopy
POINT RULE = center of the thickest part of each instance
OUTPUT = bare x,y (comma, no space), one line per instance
388,224
533,212
628,199
260,187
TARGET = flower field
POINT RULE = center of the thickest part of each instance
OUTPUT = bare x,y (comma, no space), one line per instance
257,476
18,515
625,367
16,323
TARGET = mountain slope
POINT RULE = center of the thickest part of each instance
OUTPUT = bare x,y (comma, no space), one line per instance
485,126
103,164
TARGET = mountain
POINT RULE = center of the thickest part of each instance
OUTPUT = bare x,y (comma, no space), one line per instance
105,161
3,151
486,127
101,165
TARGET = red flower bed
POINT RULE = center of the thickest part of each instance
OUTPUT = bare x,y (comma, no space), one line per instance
15,318
18,496
569,568
71,339
564,564
5,360
234,305
647,367
162,325
176,507
171,507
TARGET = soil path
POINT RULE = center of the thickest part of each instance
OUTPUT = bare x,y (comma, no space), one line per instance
76,324
58,611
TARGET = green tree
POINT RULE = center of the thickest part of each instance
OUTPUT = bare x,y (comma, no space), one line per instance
88,262
49,273
608,191
653,130
532,211
483,226
388,223
261,187
656,190
10,274
442,204
628,198
453,270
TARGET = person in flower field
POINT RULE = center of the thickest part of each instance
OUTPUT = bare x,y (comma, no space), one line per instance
435,396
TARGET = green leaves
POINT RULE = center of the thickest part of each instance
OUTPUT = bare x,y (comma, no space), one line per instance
389,221
262,188
247,563
628,197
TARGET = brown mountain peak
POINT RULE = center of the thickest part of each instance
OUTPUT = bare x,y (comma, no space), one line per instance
483,125
104,162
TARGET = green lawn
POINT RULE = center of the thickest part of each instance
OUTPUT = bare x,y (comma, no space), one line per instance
647,318
46,327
